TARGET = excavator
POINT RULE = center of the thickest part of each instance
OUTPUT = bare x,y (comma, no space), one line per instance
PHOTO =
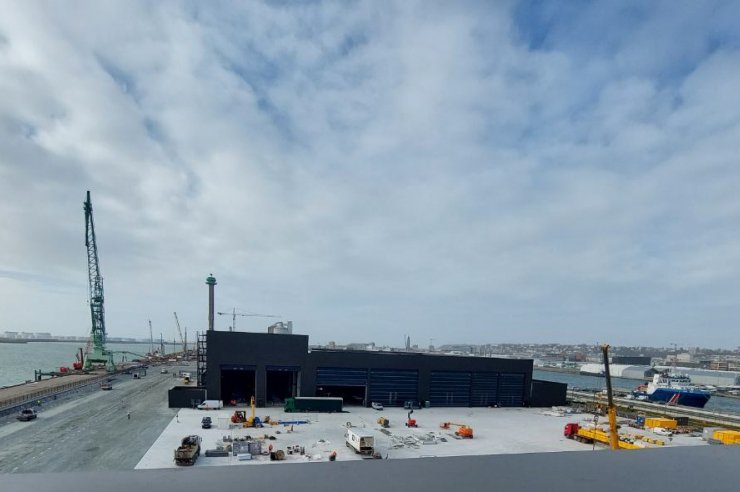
463,430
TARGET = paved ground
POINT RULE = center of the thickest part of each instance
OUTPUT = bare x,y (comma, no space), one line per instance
497,431
92,432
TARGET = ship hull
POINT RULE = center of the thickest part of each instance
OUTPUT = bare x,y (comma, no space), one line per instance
695,399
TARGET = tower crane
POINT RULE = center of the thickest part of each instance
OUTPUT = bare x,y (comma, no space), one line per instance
234,314
98,352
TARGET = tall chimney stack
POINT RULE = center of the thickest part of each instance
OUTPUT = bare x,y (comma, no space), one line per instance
211,282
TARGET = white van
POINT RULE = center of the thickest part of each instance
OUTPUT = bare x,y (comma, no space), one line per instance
211,405
360,440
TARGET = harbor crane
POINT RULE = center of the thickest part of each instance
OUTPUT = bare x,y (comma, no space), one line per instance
234,314
97,353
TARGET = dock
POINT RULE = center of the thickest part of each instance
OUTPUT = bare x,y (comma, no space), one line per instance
705,416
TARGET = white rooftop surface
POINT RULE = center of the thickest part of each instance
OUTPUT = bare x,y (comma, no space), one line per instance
496,431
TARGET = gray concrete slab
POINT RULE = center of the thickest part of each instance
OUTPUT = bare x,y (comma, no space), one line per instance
91,432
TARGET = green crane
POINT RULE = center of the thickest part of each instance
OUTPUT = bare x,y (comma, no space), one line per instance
98,353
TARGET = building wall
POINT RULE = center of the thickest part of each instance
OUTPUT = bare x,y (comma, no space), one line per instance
251,349
548,393
185,396
230,349
423,363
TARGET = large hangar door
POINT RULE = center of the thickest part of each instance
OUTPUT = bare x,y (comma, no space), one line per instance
484,389
450,389
511,389
393,387
237,384
350,384
281,383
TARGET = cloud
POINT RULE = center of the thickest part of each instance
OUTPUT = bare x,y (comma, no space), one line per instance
478,172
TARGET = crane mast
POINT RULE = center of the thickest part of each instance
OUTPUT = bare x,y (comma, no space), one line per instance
98,354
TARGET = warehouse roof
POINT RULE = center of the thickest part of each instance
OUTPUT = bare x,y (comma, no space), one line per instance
675,469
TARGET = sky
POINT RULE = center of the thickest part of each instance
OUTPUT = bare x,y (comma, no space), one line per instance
471,172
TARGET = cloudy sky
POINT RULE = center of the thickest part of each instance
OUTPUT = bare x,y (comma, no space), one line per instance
478,172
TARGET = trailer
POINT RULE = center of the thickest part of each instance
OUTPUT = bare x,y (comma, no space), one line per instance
361,441
313,404
591,435
188,451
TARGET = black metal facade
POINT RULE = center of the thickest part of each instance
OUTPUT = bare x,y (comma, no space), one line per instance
388,377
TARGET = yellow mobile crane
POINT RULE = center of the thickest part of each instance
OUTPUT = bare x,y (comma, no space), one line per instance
611,409
590,435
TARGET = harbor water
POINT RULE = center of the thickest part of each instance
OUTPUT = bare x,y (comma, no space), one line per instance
585,382
19,360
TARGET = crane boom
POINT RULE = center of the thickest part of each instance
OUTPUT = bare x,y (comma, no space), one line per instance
95,285
234,314
179,332
611,409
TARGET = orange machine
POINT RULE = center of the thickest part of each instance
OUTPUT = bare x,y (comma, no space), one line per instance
462,431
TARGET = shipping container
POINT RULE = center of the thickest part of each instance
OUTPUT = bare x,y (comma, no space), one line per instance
660,422
313,404
727,436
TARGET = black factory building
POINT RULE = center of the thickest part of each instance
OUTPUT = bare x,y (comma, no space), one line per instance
233,366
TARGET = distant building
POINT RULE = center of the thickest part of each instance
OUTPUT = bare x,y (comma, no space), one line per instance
281,328
631,360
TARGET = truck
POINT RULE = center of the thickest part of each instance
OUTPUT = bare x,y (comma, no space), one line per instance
211,405
313,404
591,435
360,440
188,451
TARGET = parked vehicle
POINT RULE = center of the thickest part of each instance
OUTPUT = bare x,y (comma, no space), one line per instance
313,404
376,405
662,432
163,370
211,405
106,386
188,452
26,415
360,440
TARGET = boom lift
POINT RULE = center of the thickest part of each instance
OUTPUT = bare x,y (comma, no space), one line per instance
462,431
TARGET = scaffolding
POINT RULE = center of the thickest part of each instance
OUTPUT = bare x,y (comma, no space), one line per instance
201,357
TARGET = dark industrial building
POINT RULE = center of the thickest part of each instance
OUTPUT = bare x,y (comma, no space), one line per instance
233,366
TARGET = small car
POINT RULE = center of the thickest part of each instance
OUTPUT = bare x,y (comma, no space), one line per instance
662,432
376,405
164,371
26,415
205,423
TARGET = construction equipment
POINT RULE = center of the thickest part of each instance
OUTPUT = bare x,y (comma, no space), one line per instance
188,451
611,408
179,332
240,417
384,422
591,435
234,314
98,353
463,430
409,421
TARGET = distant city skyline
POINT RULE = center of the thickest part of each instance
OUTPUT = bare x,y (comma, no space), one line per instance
477,171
